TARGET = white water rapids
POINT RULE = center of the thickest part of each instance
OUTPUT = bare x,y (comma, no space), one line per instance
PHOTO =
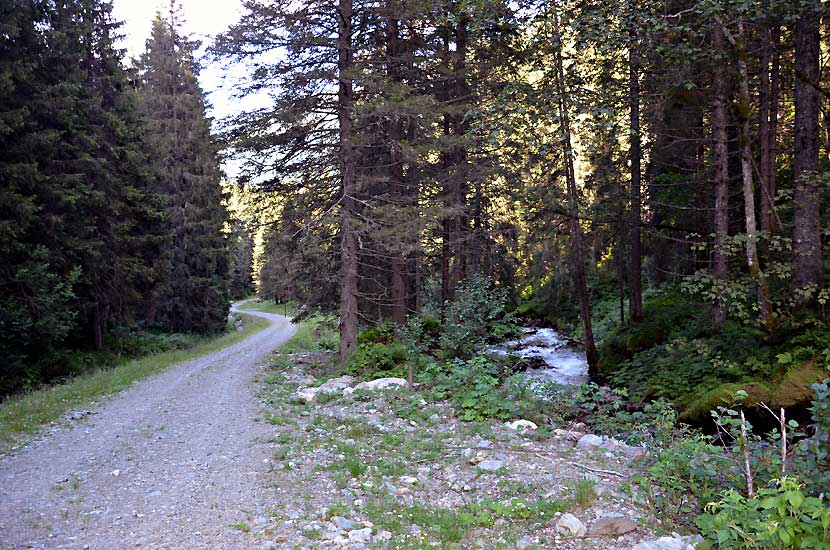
564,365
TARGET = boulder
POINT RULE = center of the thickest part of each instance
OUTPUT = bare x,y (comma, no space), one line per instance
571,526
381,384
589,441
307,395
337,385
360,535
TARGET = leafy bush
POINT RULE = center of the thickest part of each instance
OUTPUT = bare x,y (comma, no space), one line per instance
812,461
475,387
381,334
780,516
471,316
376,360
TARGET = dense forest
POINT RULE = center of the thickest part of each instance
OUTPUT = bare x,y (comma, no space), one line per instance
111,211
648,176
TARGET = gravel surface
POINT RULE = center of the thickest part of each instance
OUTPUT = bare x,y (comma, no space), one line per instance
173,462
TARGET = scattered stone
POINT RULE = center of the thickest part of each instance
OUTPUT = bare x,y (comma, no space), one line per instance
360,535
381,384
307,395
409,480
490,465
570,525
525,542
343,523
570,435
612,527
674,542
522,425
483,444
337,385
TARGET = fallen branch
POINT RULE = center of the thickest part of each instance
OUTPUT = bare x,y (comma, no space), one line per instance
598,470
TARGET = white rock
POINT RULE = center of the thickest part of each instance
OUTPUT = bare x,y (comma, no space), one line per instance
337,385
521,425
348,391
360,535
381,384
409,480
342,523
307,395
675,542
589,441
490,465
570,525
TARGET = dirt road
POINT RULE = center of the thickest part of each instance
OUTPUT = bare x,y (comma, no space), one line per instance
173,462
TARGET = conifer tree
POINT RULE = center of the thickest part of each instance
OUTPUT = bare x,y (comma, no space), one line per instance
195,297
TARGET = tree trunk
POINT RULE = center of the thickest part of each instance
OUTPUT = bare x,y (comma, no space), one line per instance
348,245
635,268
577,246
720,161
767,317
98,326
806,224
396,172
766,199
771,169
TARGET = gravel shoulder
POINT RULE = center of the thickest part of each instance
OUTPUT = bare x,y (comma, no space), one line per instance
174,462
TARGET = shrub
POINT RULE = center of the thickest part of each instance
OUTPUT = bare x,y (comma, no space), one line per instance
471,316
780,516
376,360
474,386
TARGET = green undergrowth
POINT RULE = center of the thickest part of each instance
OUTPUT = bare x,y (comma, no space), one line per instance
24,414
315,333
676,354
448,527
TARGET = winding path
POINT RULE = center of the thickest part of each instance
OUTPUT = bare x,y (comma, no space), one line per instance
170,463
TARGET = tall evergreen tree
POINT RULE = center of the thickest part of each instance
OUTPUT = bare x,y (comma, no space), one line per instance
195,297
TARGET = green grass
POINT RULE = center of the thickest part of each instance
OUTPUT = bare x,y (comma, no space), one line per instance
26,413
585,492
269,306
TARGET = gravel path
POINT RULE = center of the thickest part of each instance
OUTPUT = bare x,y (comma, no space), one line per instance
172,462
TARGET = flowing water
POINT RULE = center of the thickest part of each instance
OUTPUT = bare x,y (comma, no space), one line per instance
564,365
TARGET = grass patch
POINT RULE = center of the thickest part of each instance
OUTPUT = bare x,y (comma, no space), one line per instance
585,492
25,414
288,309
449,527
316,332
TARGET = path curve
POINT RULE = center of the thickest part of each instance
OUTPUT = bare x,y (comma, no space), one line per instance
169,463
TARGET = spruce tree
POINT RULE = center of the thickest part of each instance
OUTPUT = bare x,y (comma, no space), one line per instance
195,297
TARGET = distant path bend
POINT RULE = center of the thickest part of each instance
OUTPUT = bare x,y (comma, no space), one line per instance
168,463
